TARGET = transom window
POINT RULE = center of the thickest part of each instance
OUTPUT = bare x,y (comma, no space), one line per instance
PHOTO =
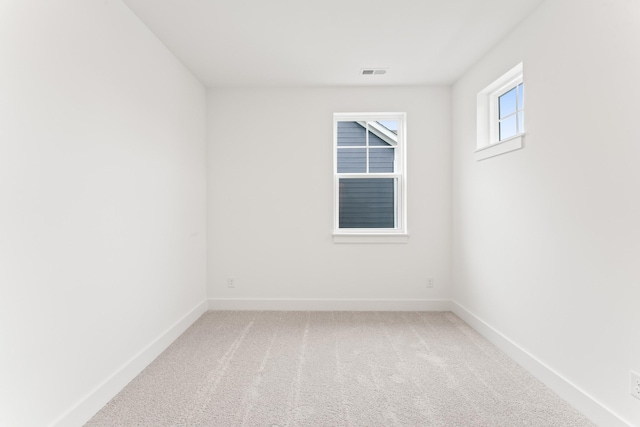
369,173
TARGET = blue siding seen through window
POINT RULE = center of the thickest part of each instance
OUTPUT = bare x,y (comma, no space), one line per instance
350,134
367,203
381,160
352,160
375,141
353,150
368,200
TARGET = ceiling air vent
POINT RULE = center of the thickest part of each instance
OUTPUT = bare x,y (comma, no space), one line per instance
372,71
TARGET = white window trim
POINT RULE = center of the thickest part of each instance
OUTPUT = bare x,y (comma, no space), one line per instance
488,144
374,235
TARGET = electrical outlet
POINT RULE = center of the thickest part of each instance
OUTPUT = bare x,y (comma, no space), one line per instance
430,282
231,282
634,384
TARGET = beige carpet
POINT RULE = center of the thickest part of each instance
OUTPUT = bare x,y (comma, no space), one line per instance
334,369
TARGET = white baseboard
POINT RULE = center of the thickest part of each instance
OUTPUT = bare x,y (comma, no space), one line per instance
579,399
270,304
87,407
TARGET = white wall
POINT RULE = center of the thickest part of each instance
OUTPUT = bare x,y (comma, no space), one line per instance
102,200
546,239
271,193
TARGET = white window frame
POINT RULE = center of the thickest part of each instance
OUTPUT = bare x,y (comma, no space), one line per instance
488,134
398,234
494,111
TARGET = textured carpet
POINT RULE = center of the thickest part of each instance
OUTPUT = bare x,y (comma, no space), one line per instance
334,369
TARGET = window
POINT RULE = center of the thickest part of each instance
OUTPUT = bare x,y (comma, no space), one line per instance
501,115
510,114
369,174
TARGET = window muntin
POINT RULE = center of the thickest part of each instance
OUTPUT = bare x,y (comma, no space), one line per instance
369,173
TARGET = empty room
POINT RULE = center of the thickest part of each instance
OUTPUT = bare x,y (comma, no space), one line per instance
306,213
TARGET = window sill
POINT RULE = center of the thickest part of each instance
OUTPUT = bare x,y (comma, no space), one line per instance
370,238
499,148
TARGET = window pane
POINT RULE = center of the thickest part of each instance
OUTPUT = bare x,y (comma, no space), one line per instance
352,160
367,203
520,97
351,134
507,103
381,160
391,125
376,141
382,136
508,128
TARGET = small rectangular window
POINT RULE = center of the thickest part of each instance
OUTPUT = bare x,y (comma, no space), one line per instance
510,113
369,173
501,115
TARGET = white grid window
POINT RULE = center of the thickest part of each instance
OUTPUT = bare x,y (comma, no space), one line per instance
369,173
507,111
501,115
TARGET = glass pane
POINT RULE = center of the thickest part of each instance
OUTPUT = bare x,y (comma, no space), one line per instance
383,133
507,103
351,134
381,160
391,125
508,128
352,160
520,97
377,141
367,203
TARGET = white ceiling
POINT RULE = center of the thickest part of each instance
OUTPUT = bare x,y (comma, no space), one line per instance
328,42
